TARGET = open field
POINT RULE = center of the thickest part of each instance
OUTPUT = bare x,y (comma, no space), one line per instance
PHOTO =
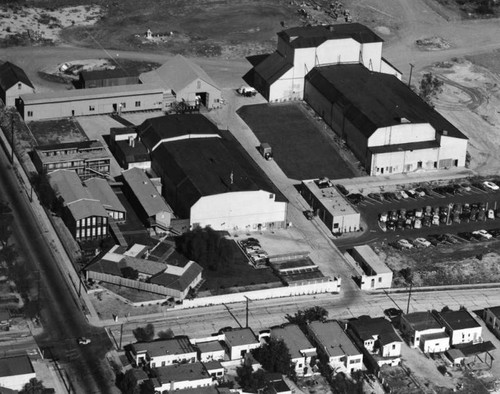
298,146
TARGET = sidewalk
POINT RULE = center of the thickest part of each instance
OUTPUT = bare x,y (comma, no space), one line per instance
58,252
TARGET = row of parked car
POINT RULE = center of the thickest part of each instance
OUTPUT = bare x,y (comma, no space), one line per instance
439,239
257,256
452,189
434,216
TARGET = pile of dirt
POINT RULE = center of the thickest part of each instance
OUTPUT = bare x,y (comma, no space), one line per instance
433,44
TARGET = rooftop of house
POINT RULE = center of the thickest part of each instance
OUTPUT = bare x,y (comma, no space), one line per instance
434,336
176,74
272,67
178,280
330,197
333,339
17,365
208,347
101,190
174,127
211,365
240,337
373,100
182,372
179,345
459,320
294,338
367,328
152,202
10,75
313,36
495,310
421,321
136,153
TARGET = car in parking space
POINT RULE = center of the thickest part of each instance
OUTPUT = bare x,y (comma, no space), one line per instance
491,214
393,215
402,213
421,242
433,240
383,217
494,232
491,185
426,221
391,225
435,220
451,239
342,189
483,234
403,194
480,186
400,224
417,224
355,198
392,313
481,215
465,187
408,224
376,196
455,217
389,196
412,193
419,213
404,244
410,214
468,236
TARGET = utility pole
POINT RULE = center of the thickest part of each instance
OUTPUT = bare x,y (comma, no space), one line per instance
121,335
411,72
12,138
246,321
409,298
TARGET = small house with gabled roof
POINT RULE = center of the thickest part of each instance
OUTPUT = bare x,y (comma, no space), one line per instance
13,82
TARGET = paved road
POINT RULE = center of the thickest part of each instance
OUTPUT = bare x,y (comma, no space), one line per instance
201,322
61,316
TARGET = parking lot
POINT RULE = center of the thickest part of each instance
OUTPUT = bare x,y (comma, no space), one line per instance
440,211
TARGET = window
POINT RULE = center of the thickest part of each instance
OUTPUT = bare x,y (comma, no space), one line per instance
198,84
271,196
354,361
93,231
30,114
123,105
379,279
91,107
19,86
77,233
393,346
137,103
93,220
153,365
163,363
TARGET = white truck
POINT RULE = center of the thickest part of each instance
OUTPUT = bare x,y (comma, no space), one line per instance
246,91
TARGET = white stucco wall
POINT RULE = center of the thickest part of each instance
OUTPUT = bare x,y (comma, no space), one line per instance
169,359
380,281
16,382
403,161
392,350
185,384
453,148
371,54
402,134
437,345
242,210
466,335
15,91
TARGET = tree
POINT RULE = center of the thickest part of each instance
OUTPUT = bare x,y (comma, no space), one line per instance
127,383
34,386
274,356
47,195
6,219
130,273
248,380
167,334
430,87
303,317
144,334
406,274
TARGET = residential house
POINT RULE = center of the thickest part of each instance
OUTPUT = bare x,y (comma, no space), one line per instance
101,190
147,200
333,343
13,83
215,369
163,352
173,276
171,378
460,326
240,341
84,216
301,350
15,372
492,318
379,338
183,80
424,331
87,158
210,351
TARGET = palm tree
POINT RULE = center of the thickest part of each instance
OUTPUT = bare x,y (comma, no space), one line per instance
34,386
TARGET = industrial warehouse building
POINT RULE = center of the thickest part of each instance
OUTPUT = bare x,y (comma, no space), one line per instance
330,206
184,81
203,176
387,126
97,101
340,72
13,82
280,76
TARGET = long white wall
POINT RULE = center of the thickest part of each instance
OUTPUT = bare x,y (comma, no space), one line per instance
242,210
402,134
404,161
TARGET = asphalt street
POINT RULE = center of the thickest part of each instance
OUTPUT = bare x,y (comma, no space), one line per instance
62,319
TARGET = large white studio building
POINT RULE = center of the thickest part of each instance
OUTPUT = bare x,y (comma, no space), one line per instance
340,72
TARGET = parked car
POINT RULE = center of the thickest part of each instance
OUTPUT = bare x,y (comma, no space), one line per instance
428,211
355,198
491,214
495,232
392,313
403,194
402,213
404,244
408,224
412,193
451,239
376,196
417,224
391,225
383,217
465,187
466,235
421,242
419,213
483,234
491,185
435,220
455,217
481,215
480,185
342,189
393,216
426,221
